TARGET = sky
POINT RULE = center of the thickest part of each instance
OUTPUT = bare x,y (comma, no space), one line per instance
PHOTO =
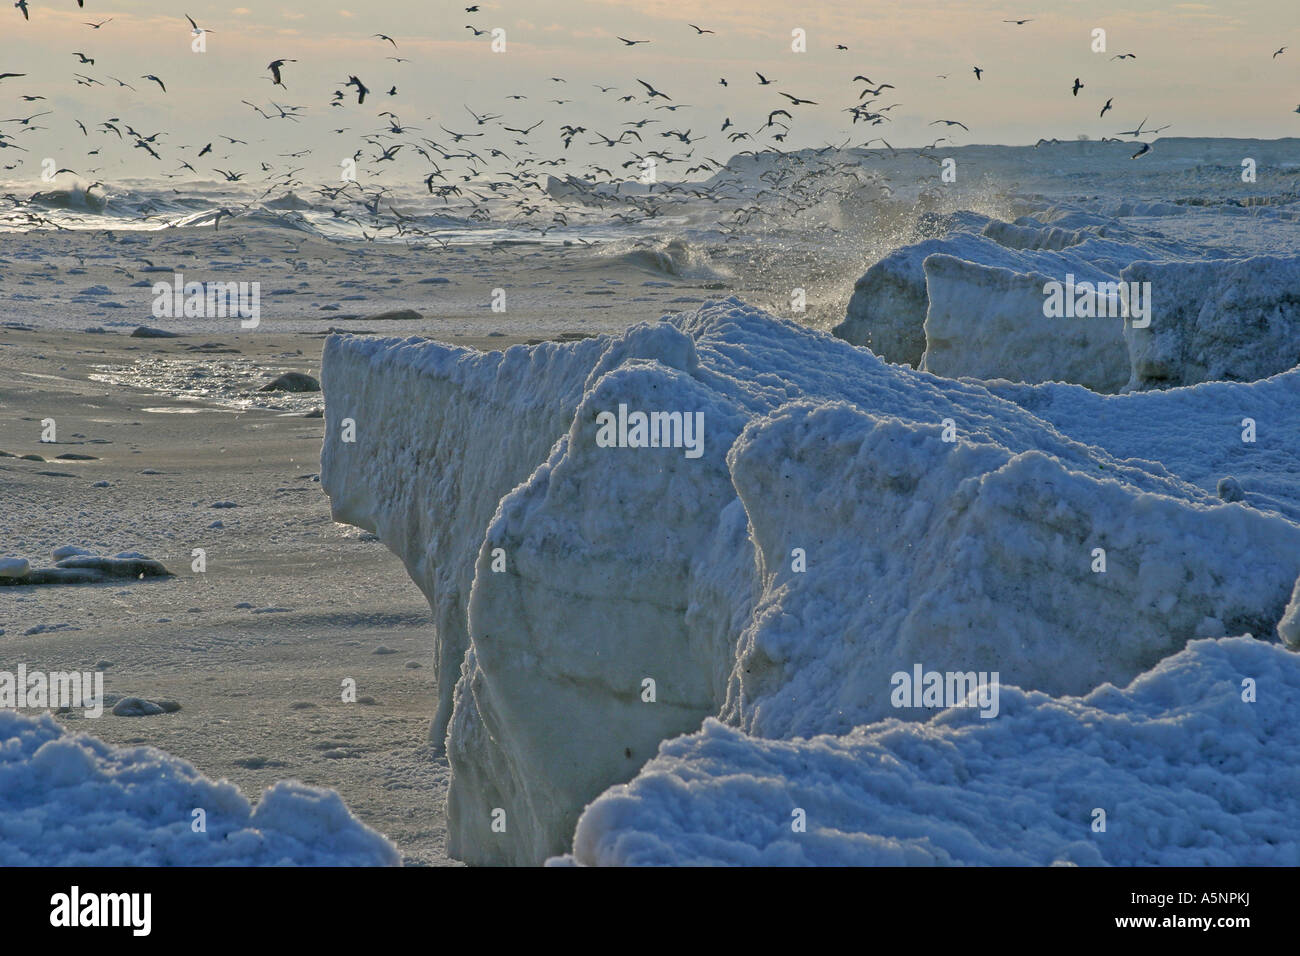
1205,69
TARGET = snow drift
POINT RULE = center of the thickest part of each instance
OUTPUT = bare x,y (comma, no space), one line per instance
72,800
847,519
1186,770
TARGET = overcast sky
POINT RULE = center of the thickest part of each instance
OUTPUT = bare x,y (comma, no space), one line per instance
1205,68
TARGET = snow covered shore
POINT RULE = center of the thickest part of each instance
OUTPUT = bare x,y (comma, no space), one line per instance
847,519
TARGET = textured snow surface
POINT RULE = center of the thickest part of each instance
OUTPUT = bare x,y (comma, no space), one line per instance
73,800
1187,773
1196,433
941,525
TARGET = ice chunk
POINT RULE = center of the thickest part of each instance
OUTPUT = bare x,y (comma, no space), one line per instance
1237,320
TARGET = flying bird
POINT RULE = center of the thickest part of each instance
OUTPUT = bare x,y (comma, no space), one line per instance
156,80
631,42
978,72
362,90
762,80
96,26
196,29
1280,50
1105,108
652,91
1078,85
22,5
950,123
699,31
385,36
1020,23
274,67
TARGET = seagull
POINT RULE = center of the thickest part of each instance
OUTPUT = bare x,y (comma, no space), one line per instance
22,5
1078,85
762,80
1020,23
951,123
1105,108
1125,56
85,59
1134,132
197,30
653,92
156,80
978,72
362,90
385,36
1280,50
120,83
274,67
795,101
631,42
1146,148
96,26
699,31
5,76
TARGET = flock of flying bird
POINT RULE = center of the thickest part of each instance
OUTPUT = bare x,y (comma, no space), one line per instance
507,170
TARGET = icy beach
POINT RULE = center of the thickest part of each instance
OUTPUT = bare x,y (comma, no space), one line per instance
986,554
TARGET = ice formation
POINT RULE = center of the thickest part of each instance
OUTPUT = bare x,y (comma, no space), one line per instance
72,800
847,519
972,304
